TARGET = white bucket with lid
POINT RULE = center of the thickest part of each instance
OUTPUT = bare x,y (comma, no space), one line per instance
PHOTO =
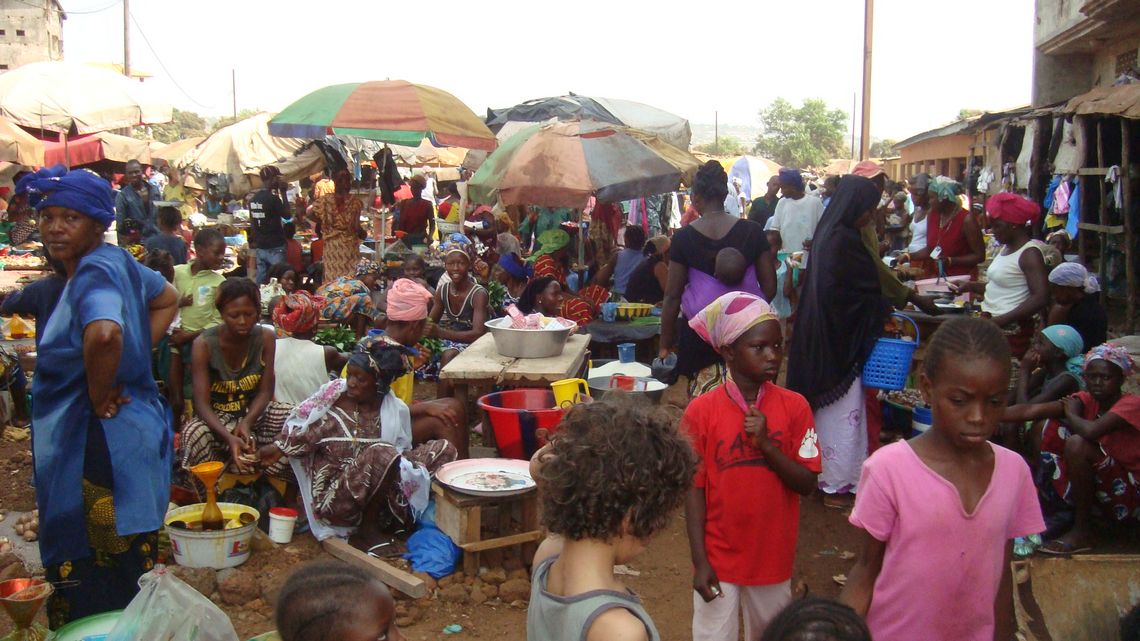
281,523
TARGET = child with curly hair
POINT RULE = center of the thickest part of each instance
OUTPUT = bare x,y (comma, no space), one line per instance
609,480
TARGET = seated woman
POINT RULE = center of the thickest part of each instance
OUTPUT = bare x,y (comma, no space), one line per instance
287,281
1076,303
954,244
350,446
543,295
623,263
1090,452
459,306
1050,371
647,282
513,273
553,259
301,366
232,368
348,301
1017,286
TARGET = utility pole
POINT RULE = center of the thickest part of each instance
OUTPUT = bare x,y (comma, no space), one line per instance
853,94
868,28
233,86
127,38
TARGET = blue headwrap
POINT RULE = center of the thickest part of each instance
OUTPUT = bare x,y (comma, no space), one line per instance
515,266
26,184
80,190
457,243
1069,341
792,177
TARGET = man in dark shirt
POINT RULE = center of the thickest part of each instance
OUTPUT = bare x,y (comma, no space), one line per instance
266,211
136,201
763,207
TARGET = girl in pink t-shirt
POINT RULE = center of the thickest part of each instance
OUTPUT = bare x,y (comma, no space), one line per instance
939,512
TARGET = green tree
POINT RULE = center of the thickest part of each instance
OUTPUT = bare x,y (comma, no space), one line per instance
968,113
724,146
803,136
229,120
185,124
884,148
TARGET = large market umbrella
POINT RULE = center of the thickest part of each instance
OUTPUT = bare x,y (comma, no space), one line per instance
240,150
85,150
71,97
669,127
563,164
753,173
391,111
18,146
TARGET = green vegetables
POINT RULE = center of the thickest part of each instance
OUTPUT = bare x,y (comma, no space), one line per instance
496,294
342,338
434,346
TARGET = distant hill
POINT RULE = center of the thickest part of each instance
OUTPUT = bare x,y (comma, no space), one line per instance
703,133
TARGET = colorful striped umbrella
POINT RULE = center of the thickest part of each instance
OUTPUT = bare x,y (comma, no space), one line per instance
562,164
392,111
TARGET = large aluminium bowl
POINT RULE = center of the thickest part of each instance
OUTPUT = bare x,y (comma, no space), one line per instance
527,343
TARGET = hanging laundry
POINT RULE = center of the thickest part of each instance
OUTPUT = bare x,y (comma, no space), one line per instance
1073,222
1112,177
1056,180
984,179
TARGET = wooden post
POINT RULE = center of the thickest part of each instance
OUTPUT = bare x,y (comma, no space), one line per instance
1127,214
391,576
1102,272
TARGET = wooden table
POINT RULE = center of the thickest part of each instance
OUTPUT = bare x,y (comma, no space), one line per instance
481,364
461,517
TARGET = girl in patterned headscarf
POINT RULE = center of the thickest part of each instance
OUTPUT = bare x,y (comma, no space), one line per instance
1090,452
460,305
348,301
350,446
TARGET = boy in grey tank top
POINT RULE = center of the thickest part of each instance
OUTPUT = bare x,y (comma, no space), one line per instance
612,475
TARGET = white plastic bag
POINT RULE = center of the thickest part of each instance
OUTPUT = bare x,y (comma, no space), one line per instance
166,609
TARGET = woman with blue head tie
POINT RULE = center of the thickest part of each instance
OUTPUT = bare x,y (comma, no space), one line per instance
103,438
1076,302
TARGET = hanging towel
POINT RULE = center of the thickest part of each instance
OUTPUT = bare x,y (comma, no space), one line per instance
1074,211
1049,191
1112,176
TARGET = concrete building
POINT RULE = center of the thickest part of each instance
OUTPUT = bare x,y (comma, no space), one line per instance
944,151
30,31
1082,44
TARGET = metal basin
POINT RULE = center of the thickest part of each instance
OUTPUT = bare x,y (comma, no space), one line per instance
599,385
527,343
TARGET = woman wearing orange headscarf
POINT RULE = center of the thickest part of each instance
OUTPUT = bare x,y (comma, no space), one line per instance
339,216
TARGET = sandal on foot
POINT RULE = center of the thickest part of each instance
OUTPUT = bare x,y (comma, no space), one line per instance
1057,547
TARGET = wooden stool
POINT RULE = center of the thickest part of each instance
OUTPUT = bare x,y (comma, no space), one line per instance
460,516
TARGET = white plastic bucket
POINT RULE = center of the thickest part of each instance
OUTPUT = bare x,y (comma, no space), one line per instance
217,549
281,522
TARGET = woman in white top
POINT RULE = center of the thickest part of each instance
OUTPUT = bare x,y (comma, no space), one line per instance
1018,282
301,366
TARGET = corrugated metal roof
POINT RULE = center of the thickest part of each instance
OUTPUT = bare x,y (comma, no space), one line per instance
1111,101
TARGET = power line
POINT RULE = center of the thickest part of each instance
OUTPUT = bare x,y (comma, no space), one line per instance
163,66
74,13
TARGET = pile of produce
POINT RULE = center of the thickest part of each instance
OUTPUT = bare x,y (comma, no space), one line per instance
28,526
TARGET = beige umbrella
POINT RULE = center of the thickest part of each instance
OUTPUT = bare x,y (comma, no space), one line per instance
240,151
175,150
19,146
66,97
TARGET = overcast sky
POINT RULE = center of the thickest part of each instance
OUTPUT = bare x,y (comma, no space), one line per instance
931,57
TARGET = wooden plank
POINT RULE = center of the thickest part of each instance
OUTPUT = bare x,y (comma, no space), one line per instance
1092,171
1129,231
548,370
1102,273
503,541
393,577
479,362
1102,229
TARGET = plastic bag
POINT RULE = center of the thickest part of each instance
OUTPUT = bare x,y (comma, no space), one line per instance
432,551
166,609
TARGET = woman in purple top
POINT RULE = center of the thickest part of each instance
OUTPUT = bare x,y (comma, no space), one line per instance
692,283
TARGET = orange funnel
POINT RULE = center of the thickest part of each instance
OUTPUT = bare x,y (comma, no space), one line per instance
22,600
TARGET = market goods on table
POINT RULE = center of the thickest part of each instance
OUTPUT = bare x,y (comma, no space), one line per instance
487,476
907,398
541,342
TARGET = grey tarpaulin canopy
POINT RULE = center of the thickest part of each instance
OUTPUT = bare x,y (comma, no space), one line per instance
671,128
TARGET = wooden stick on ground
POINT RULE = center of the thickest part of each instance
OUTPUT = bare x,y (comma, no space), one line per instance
405,582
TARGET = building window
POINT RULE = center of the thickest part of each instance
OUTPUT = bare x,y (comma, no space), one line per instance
19,33
1125,62
2,32
3,67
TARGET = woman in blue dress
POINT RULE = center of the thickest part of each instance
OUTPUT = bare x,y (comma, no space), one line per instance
103,438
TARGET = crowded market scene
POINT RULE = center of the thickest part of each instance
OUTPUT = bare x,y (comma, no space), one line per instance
385,363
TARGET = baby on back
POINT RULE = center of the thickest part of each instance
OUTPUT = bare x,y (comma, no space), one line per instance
730,266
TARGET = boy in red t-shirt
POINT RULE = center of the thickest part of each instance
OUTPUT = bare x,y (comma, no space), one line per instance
757,457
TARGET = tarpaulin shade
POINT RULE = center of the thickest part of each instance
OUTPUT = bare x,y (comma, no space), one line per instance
392,111
69,96
672,129
19,146
84,150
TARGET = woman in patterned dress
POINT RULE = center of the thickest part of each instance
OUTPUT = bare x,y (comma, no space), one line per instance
339,216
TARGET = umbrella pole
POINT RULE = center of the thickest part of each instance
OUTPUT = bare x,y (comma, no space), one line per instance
66,150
